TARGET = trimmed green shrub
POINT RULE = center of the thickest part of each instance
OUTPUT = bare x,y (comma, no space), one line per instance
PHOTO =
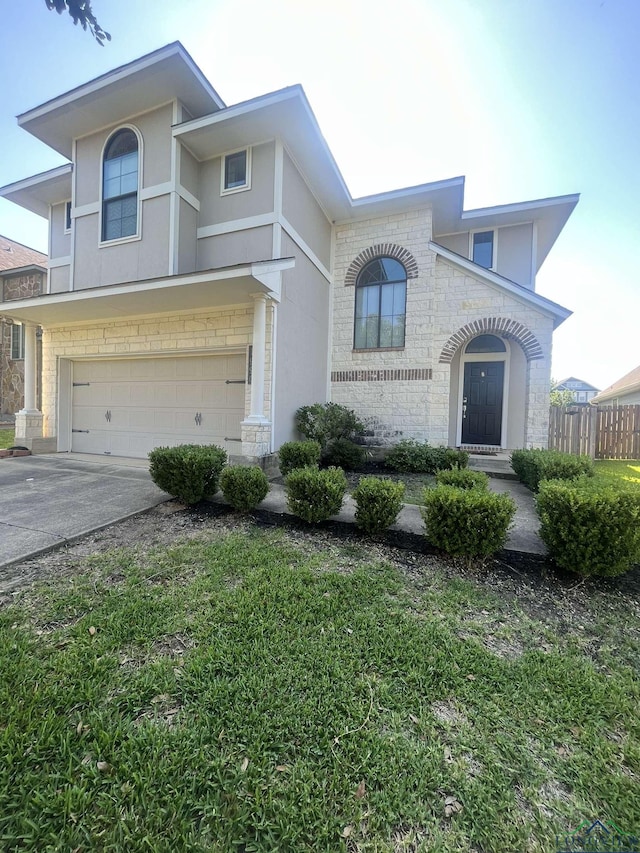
378,503
188,472
463,478
244,486
315,495
455,459
298,454
533,466
325,422
345,454
590,529
468,522
418,457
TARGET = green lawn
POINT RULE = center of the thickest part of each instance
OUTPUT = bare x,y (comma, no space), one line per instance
618,471
263,691
6,437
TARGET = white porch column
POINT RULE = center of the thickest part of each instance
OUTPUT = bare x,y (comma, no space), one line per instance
256,429
30,369
256,415
29,419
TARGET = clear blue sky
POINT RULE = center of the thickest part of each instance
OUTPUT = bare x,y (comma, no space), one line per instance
527,98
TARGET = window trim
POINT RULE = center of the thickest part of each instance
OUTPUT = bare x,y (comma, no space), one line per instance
247,184
19,328
494,255
67,218
379,285
138,235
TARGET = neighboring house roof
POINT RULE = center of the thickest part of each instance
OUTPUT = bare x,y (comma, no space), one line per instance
526,295
216,129
629,383
572,383
14,256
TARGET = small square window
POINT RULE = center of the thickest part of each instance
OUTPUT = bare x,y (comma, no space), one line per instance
483,249
17,341
67,216
236,169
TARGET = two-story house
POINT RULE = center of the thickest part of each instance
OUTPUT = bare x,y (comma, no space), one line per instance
209,273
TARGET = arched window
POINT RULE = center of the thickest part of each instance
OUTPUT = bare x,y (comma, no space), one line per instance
381,296
486,343
120,186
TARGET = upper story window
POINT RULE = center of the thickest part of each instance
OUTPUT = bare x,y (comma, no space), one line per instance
120,186
483,249
17,341
381,296
236,171
67,217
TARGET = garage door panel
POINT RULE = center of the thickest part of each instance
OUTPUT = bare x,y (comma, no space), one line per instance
153,402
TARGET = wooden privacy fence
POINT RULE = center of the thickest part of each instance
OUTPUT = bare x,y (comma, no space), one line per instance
602,432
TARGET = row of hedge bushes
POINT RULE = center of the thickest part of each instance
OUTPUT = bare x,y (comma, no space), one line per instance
461,515
589,527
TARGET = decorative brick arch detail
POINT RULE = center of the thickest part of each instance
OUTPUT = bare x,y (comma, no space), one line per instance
502,326
382,250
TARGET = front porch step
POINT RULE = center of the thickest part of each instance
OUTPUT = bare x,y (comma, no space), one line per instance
497,466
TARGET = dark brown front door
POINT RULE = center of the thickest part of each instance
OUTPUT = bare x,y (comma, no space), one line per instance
482,402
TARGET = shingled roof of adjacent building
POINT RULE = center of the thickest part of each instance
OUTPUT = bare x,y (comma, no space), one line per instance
16,256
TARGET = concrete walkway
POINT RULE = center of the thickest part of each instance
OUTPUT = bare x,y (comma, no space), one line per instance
523,536
53,499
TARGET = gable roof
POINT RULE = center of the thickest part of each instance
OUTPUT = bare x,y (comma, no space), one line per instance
584,386
628,383
15,256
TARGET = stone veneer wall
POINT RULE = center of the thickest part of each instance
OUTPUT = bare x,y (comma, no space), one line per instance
12,371
406,393
203,332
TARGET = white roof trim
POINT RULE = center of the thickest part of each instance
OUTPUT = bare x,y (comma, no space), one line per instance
521,206
408,192
542,303
35,180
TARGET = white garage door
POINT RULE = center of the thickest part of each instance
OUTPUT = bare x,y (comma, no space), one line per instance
127,407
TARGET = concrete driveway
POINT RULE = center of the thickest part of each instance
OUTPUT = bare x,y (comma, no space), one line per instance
48,500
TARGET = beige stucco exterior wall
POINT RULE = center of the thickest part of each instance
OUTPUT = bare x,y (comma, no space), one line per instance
132,259
120,261
187,240
237,247
189,171
514,250
205,332
441,299
301,209
60,243
216,208
514,253
302,341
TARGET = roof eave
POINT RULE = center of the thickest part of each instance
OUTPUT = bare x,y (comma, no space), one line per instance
39,191
58,121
